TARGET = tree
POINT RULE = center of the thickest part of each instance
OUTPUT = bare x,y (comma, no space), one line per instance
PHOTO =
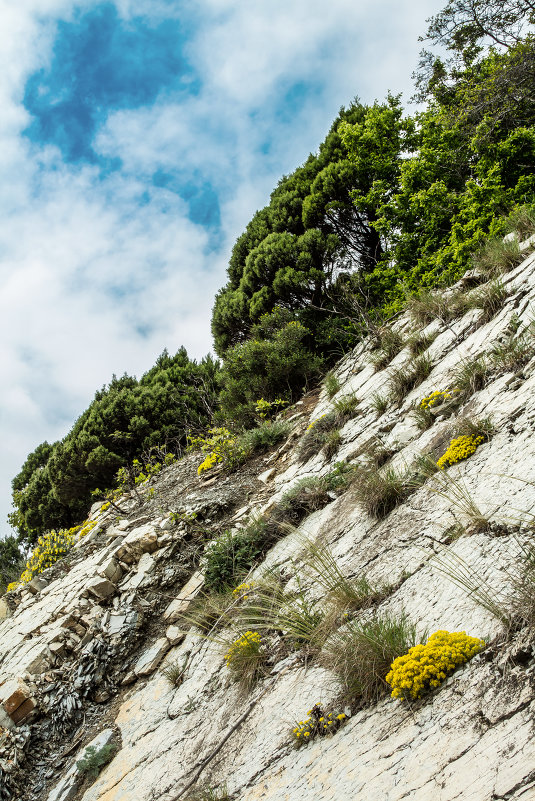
292,251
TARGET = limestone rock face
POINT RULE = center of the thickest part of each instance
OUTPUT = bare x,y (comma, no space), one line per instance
95,646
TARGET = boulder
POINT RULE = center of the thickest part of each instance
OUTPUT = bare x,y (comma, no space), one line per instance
101,588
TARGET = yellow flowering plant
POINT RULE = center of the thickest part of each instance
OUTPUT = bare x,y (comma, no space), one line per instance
460,448
437,398
245,658
425,667
221,447
319,723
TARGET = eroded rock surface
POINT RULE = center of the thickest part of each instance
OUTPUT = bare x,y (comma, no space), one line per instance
83,646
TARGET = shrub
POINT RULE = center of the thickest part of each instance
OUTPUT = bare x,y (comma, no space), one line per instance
360,655
264,436
459,449
50,547
319,723
221,447
271,365
245,659
425,667
231,556
94,760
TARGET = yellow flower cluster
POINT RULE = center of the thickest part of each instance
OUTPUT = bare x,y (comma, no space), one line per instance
437,398
426,666
210,461
241,588
318,723
249,644
50,547
313,423
459,449
221,447
85,528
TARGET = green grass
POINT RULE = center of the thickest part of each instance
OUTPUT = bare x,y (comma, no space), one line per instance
331,384
360,655
379,491
496,256
403,380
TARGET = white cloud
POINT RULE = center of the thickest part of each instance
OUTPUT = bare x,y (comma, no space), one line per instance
84,264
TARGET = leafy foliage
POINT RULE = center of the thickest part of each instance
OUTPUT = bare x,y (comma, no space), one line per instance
53,489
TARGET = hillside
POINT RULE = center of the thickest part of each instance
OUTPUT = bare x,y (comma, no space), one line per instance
85,645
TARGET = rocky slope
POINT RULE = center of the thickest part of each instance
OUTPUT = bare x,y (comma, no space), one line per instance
82,649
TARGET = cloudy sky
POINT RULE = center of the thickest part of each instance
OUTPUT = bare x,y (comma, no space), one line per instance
137,138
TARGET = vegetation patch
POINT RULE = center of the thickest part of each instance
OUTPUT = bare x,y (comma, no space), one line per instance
360,655
319,723
459,449
425,667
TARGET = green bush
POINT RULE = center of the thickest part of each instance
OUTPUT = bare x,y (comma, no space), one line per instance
231,556
281,366
265,436
94,760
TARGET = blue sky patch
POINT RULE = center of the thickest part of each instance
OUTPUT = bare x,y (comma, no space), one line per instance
101,64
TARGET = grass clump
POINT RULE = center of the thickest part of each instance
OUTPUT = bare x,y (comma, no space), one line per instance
425,667
489,298
206,793
470,377
427,306
331,384
512,354
497,256
379,491
265,436
379,403
404,379
174,672
418,343
390,344
360,655
245,659
319,434
343,595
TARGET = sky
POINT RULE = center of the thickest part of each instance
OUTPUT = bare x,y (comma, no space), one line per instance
137,139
